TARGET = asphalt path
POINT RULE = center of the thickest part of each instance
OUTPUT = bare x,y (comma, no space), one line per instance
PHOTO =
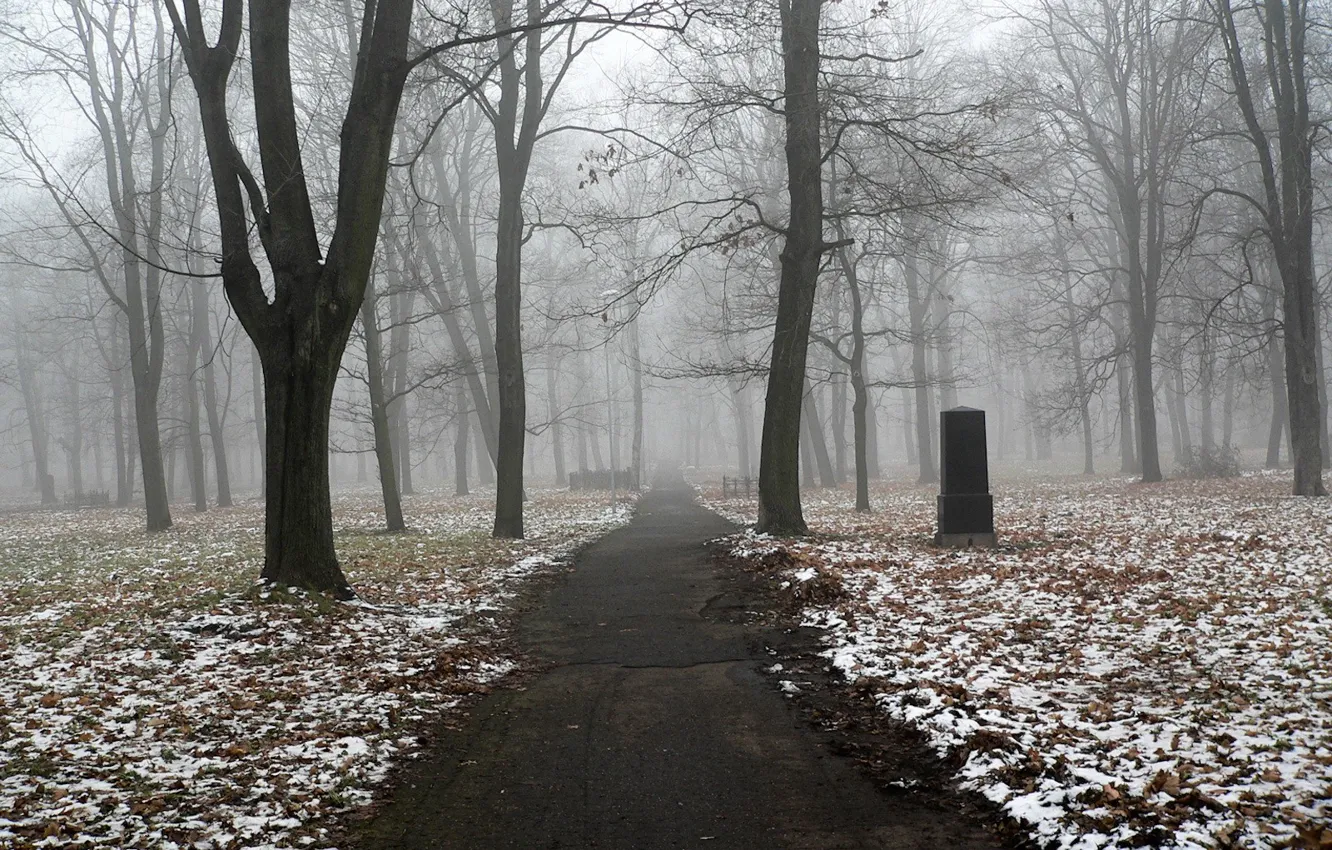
650,726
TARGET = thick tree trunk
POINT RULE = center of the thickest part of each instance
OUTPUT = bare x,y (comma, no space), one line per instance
298,528
1301,334
779,509
512,431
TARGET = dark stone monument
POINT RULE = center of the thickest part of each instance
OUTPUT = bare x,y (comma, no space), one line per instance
966,508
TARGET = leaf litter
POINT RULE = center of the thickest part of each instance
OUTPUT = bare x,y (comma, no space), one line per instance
1133,667
151,696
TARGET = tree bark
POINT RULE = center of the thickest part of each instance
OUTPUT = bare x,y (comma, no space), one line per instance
124,475
823,461
36,415
74,442
556,426
302,333
779,510
461,443
257,392
1288,211
1277,381
916,307
379,419
636,376
194,451
744,436
399,360
216,432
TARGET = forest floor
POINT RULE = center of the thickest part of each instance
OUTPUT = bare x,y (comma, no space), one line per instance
1134,665
651,719
152,695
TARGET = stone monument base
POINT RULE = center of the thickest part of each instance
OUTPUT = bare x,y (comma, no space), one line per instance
984,539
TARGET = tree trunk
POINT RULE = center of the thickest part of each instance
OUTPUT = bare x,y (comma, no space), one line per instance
32,401
807,474
1181,408
374,371
461,442
636,356
582,447
1228,411
743,435
943,348
194,451
827,477
399,360
908,427
779,509
74,443
442,299
216,432
556,426
1206,387
260,419
916,307
872,435
298,527
485,467
860,406
512,430
124,475
1277,380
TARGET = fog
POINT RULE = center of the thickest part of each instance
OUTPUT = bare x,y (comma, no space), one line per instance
1100,221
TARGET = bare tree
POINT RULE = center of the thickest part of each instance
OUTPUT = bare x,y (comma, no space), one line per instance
1286,204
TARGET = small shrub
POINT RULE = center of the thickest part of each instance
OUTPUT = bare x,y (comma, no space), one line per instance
1216,462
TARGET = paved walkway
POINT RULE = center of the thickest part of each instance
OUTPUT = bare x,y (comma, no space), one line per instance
652,728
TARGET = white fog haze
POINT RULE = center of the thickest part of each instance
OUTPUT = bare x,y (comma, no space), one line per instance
585,424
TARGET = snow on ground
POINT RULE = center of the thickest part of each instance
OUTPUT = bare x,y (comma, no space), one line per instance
1134,666
152,696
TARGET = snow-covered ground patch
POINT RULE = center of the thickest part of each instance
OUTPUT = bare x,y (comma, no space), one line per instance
151,696
1134,666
